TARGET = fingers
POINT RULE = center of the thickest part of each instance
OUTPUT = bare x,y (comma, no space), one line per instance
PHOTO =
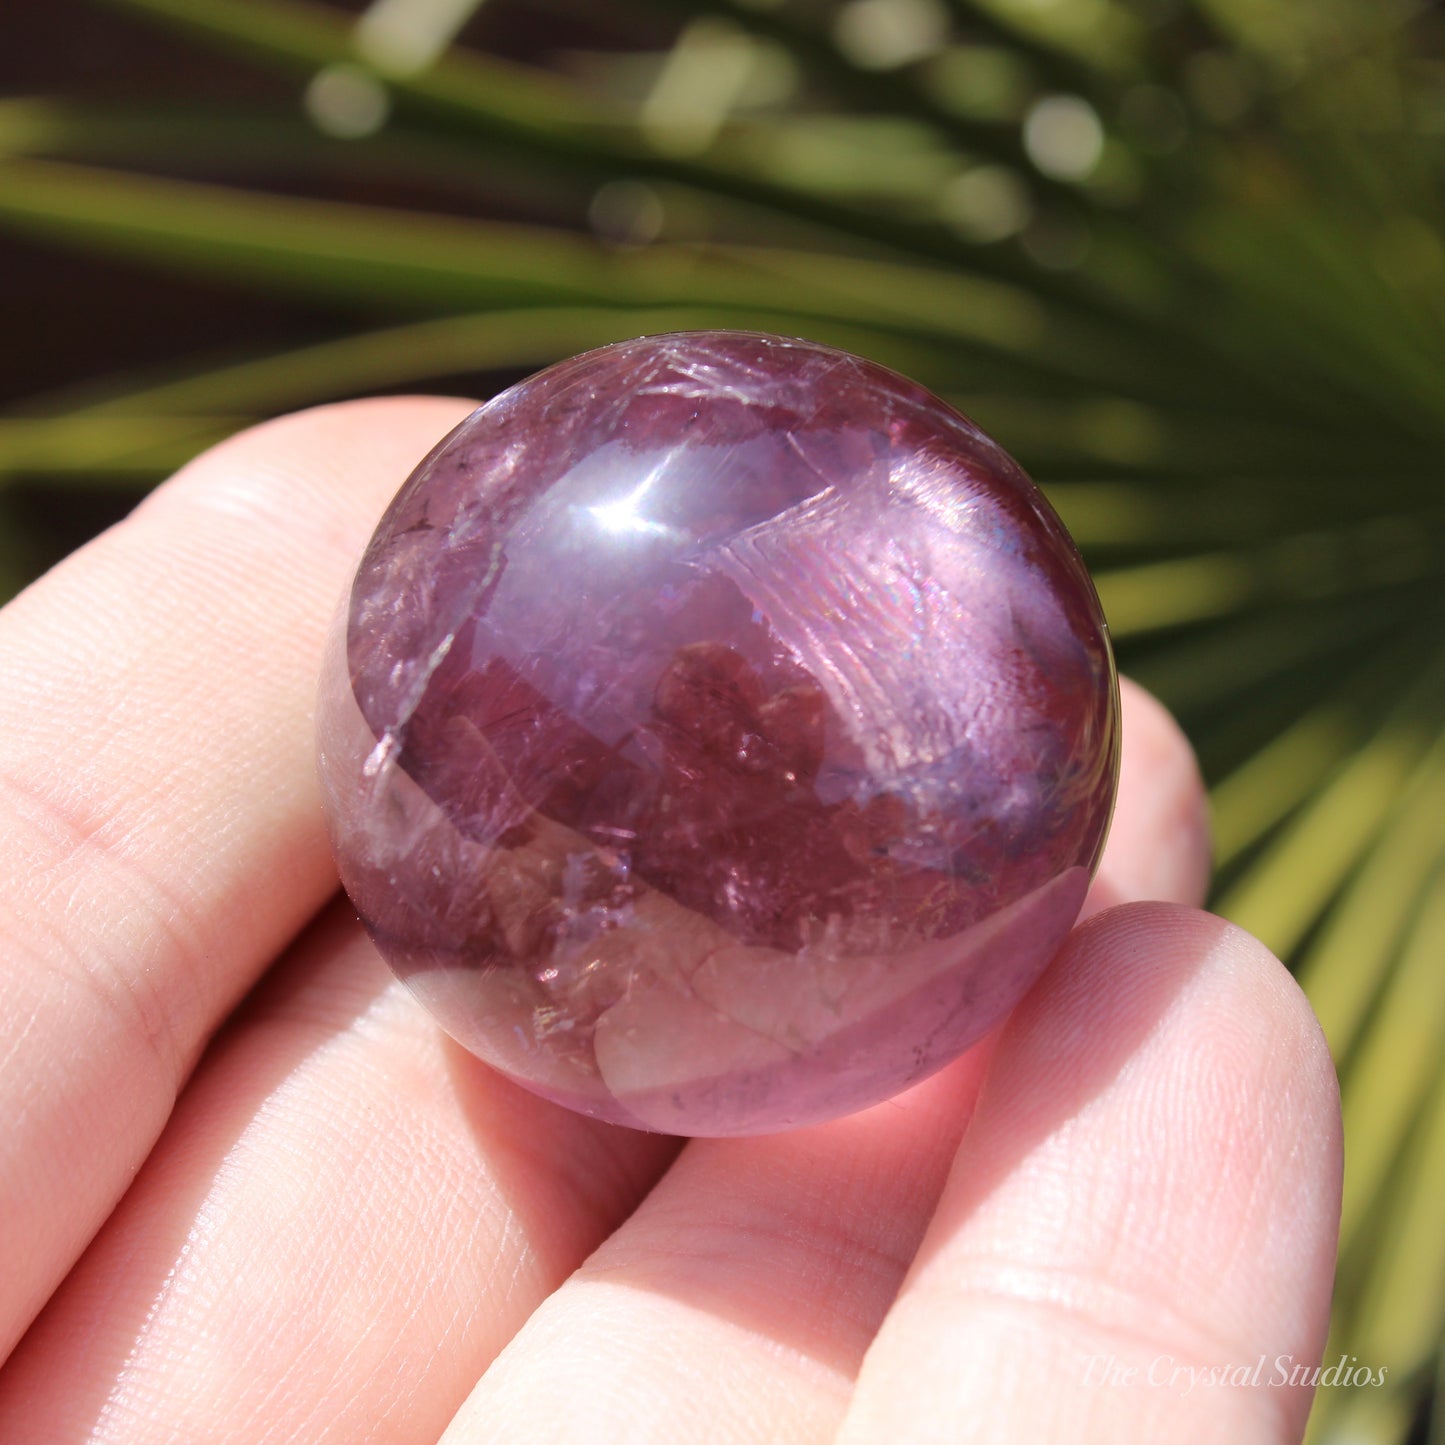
737,1302
142,845
1158,843
345,1220
158,808
1150,1188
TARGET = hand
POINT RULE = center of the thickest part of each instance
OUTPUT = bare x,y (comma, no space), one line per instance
267,1201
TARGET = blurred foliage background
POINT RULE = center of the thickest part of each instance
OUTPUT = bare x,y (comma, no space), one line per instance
1182,257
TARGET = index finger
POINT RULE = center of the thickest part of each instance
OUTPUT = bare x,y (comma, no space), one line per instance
159,811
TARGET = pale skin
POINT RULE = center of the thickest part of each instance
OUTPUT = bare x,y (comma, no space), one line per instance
249,1193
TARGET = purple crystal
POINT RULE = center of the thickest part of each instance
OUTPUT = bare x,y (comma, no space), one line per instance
720,735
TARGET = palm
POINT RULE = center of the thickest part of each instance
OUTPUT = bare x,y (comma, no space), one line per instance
337,1226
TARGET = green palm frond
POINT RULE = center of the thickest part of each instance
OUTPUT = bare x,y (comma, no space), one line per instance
1185,258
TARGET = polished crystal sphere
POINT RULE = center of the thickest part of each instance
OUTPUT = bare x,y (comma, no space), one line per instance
720,733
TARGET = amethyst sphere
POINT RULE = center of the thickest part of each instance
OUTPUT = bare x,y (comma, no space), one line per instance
720,733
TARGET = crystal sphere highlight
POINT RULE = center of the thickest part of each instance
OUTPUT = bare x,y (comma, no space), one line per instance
720,733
